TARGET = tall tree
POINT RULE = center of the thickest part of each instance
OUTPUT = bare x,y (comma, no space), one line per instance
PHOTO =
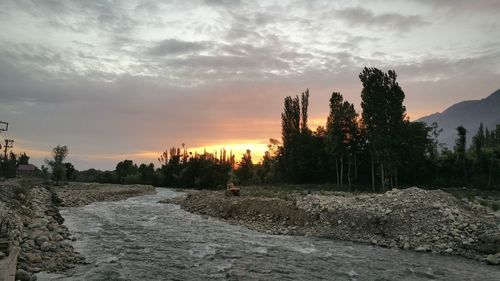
384,116
342,134
460,149
290,131
304,107
59,153
478,141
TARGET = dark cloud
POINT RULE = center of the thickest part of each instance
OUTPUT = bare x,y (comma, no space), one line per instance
390,21
464,6
224,3
176,47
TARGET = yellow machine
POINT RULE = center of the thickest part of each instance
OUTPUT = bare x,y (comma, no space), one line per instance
232,189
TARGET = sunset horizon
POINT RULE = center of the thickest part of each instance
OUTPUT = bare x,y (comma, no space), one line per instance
129,80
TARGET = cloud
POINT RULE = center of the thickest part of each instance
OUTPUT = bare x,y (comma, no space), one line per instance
176,47
390,21
108,78
464,6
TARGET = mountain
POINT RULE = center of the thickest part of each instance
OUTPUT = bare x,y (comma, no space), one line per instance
468,114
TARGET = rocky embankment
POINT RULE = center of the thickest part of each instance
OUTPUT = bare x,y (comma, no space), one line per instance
81,194
36,226
412,219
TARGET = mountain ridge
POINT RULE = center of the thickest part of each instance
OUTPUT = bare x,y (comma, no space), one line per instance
468,113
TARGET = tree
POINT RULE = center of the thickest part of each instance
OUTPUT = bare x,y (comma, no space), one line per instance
245,171
147,173
124,169
342,134
478,141
304,106
44,171
384,118
59,153
23,159
70,171
460,149
290,130
10,165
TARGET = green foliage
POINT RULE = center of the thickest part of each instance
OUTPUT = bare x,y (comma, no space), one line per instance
23,159
69,171
384,118
342,135
9,166
59,153
124,169
246,171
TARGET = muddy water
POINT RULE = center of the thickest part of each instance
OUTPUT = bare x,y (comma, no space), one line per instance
140,239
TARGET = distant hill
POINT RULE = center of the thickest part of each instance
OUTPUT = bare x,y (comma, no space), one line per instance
468,114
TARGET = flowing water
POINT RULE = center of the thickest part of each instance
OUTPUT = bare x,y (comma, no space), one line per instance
140,239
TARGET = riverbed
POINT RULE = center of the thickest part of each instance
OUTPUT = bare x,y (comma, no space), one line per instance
141,239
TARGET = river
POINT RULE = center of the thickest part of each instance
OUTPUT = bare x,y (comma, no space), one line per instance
140,239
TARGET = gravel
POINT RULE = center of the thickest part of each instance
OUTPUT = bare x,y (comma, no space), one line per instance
410,219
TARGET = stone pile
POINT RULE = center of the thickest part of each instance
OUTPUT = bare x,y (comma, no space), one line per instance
410,219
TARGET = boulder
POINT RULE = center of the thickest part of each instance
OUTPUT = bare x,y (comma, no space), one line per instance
493,259
47,246
22,275
34,234
424,248
41,239
2,255
33,258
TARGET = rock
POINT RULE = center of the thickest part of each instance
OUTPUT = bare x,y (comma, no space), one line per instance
493,259
33,277
406,246
2,255
35,225
44,221
437,205
33,258
30,243
422,249
22,275
449,250
41,239
34,234
47,246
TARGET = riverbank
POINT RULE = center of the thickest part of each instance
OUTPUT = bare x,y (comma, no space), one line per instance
410,219
31,209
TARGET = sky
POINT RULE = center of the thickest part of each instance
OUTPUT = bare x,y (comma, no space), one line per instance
117,80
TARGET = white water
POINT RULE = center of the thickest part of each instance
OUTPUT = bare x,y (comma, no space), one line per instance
140,239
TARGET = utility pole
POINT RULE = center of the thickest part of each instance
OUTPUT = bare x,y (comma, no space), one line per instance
4,127
8,144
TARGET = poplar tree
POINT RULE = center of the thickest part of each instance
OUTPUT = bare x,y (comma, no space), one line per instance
385,118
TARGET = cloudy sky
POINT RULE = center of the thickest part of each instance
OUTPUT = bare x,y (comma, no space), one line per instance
127,79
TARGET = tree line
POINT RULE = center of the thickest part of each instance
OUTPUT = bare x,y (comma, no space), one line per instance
376,149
